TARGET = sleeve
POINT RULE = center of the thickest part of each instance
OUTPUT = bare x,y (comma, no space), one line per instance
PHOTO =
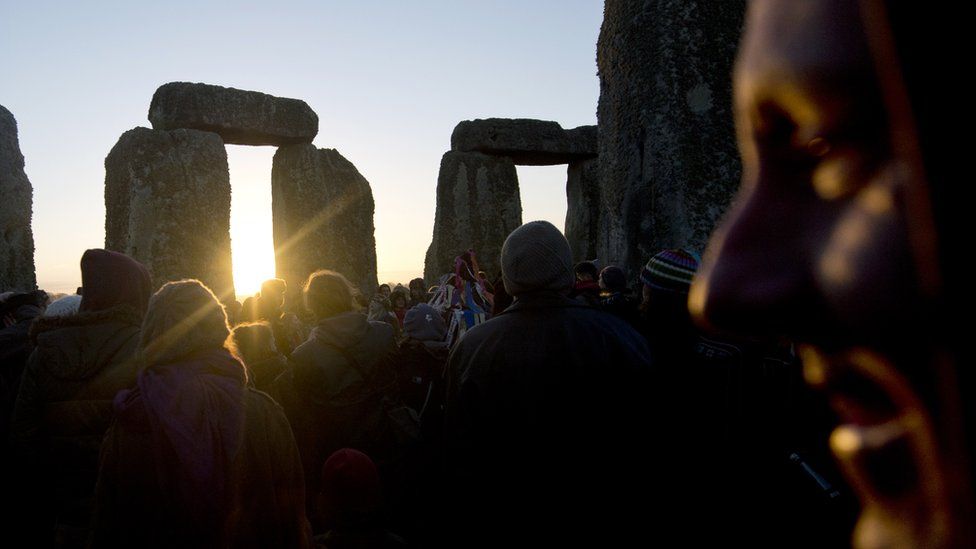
25,423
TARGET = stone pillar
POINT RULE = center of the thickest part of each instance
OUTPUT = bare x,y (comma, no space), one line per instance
16,239
478,205
668,158
583,208
323,218
167,204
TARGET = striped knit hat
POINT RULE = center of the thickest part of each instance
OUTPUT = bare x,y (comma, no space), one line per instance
670,270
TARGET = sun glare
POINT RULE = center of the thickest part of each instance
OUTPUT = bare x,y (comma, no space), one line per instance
252,246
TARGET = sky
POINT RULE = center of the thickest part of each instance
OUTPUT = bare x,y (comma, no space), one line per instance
389,80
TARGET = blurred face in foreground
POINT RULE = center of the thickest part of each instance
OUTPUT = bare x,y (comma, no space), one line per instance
817,247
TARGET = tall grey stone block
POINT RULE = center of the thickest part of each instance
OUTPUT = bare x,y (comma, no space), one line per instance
323,218
583,208
668,158
167,204
16,195
478,205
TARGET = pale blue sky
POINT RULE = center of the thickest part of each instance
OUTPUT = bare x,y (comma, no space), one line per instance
389,81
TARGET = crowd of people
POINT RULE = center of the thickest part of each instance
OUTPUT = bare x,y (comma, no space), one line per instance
413,417
558,402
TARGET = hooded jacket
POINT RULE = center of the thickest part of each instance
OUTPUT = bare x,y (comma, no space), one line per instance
198,459
64,404
547,425
331,402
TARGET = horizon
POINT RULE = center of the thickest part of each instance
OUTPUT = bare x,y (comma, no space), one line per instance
78,76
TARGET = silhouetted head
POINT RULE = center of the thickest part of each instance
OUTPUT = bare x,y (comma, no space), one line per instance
110,278
830,242
350,492
184,318
586,271
537,257
253,341
613,279
328,293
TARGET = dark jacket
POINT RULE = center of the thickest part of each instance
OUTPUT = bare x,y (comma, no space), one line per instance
546,417
168,479
15,349
331,402
64,405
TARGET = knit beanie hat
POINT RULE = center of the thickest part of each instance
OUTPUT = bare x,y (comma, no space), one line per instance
423,323
536,256
670,270
351,482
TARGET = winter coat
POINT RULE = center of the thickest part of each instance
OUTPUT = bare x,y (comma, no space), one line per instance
64,405
547,415
169,479
15,349
330,402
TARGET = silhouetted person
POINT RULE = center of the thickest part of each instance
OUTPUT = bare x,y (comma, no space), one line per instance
195,457
334,390
418,292
64,404
17,312
254,344
546,412
349,504
586,288
615,297
270,308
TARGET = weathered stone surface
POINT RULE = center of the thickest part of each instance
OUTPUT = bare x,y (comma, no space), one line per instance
16,239
323,218
239,117
478,205
583,208
527,142
668,158
167,204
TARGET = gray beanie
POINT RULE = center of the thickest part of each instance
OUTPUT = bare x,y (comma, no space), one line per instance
536,256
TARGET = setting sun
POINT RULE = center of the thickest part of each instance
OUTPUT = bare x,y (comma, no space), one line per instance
252,247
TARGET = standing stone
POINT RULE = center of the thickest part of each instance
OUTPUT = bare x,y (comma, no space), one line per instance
478,205
239,117
527,142
16,239
583,208
167,204
668,158
323,218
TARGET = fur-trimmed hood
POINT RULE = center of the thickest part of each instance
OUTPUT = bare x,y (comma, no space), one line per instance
121,314
85,343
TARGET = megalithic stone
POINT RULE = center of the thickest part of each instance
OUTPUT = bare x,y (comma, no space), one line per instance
668,156
16,195
526,141
322,210
478,205
583,208
240,117
167,204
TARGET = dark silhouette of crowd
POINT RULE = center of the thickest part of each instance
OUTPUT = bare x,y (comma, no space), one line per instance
560,402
